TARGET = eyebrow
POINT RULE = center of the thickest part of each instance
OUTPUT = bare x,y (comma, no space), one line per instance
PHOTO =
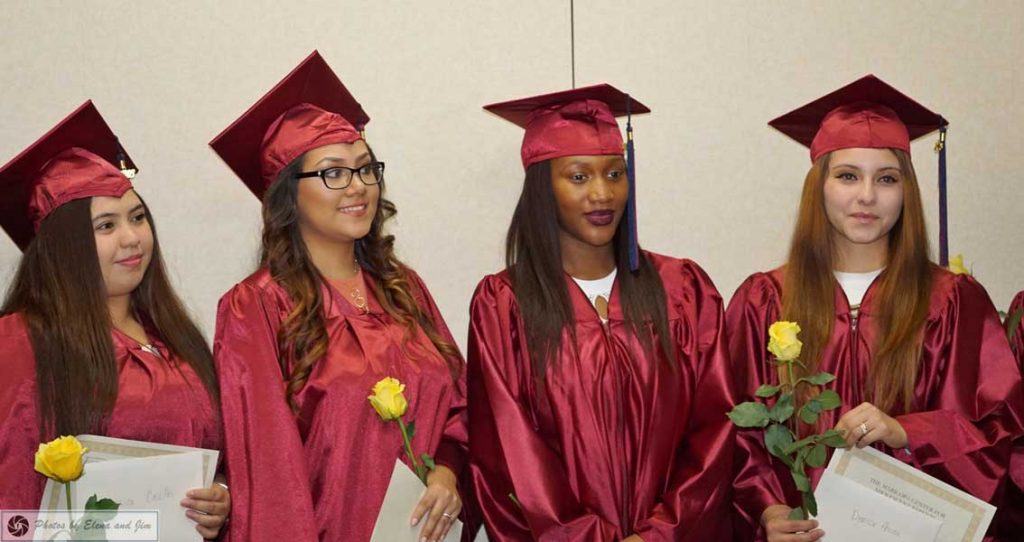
336,159
851,166
112,214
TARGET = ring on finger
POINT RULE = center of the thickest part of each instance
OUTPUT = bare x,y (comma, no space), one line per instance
864,429
448,516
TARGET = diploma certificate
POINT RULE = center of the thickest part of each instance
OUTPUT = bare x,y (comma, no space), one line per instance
960,516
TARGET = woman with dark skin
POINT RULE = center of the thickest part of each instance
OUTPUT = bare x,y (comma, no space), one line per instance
597,374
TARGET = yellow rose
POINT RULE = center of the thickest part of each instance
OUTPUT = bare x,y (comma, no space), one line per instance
782,340
61,459
388,400
956,265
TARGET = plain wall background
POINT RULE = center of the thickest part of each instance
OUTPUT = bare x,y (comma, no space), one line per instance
715,183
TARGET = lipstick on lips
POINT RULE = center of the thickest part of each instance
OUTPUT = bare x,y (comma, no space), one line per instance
131,261
600,218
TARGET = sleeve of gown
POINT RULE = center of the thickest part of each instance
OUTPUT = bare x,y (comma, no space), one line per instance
20,485
973,413
453,449
523,490
697,504
264,455
756,483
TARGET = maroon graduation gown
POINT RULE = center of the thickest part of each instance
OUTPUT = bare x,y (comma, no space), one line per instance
967,404
324,474
616,442
159,399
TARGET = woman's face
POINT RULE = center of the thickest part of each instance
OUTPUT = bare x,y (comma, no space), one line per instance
124,241
336,215
591,194
863,196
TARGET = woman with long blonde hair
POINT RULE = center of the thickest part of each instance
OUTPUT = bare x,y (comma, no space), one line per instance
301,343
921,365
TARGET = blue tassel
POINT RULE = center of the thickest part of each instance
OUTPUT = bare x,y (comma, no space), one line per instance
943,216
634,249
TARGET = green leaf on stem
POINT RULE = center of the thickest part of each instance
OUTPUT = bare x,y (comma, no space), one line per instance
800,444
833,438
767,390
829,400
783,408
410,429
776,438
803,484
819,379
749,414
810,503
816,457
428,461
808,415
95,503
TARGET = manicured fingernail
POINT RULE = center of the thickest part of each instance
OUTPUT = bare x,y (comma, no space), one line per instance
191,493
413,521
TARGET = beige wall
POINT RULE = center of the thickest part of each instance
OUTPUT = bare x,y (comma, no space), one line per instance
715,183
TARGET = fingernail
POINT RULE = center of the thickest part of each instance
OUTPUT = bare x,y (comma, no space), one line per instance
191,493
414,521
186,503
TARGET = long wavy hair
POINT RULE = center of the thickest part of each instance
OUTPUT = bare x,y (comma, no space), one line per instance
58,289
901,302
302,338
533,258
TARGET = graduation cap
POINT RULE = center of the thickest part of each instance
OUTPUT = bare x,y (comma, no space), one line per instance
307,109
78,158
869,113
578,122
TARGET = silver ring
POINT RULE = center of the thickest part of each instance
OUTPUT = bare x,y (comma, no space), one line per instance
225,486
863,429
447,515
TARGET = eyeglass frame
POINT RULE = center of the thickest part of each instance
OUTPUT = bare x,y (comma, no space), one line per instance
353,172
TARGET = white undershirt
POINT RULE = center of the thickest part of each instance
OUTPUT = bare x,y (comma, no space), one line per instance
855,285
601,287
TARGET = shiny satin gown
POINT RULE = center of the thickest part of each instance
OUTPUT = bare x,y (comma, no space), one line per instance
322,475
160,399
611,440
967,408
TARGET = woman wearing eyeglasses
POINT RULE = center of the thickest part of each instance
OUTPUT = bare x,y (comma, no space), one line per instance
331,311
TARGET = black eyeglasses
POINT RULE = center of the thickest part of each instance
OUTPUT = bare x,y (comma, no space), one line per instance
340,177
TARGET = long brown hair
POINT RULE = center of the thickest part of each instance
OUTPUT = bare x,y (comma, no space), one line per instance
901,302
58,289
302,337
534,260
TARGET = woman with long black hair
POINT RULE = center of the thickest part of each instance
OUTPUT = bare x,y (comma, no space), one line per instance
597,375
93,338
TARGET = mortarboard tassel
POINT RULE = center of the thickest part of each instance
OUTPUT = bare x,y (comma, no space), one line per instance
940,147
634,250
122,162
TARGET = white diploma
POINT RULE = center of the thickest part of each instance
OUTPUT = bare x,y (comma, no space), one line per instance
403,495
862,486
140,476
